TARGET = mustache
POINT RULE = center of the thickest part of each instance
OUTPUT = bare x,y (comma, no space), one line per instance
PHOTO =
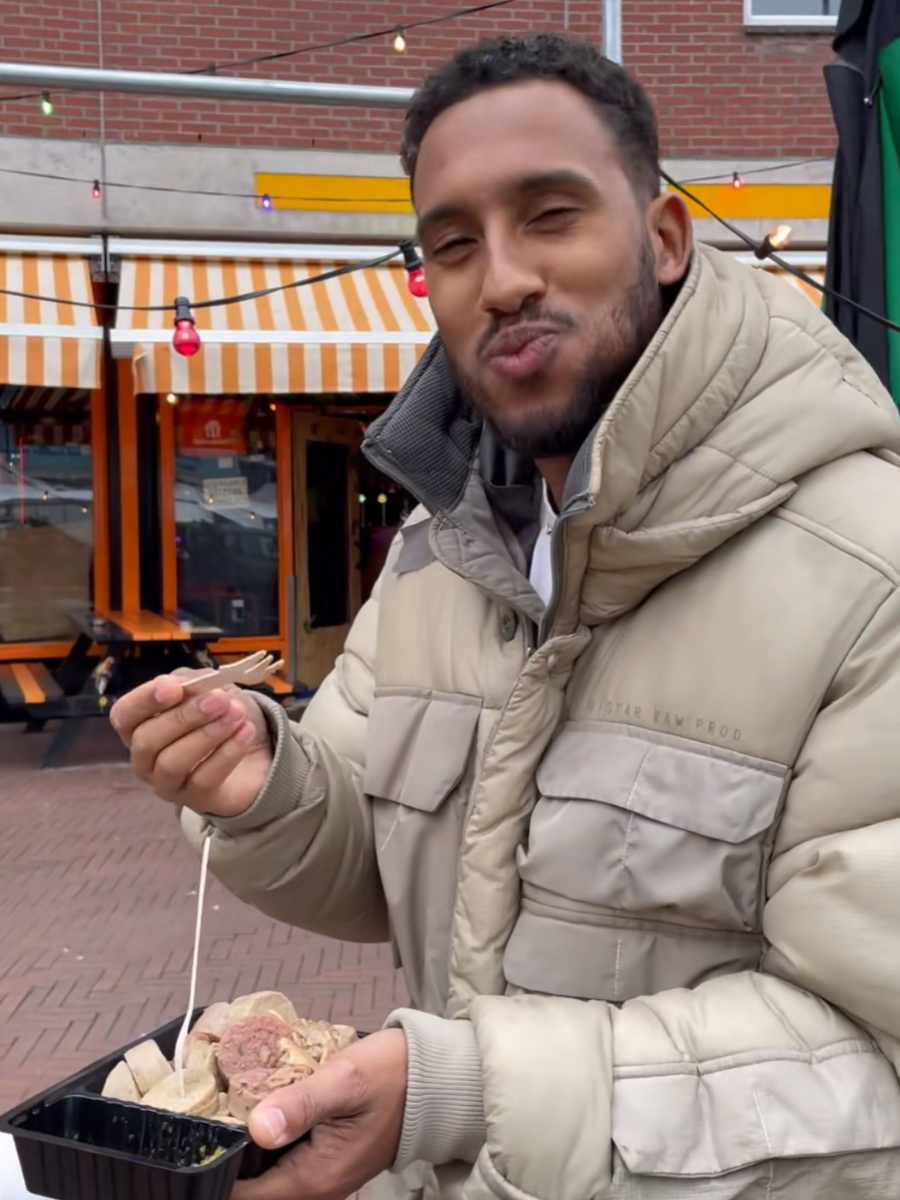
538,314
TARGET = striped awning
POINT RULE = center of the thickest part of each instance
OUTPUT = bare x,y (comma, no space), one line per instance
362,332
48,343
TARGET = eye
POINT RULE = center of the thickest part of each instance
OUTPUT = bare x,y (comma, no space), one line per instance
555,216
452,248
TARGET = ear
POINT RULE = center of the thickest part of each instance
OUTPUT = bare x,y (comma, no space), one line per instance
672,235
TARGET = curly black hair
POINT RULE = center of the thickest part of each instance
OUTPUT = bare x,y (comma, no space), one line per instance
621,102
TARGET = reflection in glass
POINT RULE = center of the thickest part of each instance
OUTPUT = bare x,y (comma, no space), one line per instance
226,514
796,8
46,512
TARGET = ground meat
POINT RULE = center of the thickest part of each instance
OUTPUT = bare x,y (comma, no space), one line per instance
254,1043
248,1088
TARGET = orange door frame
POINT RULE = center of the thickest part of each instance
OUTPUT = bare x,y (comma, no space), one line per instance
168,528
128,488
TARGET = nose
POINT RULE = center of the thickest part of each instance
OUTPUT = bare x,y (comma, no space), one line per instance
510,281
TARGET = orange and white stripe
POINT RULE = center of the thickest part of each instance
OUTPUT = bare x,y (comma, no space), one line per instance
48,343
811,293
362,332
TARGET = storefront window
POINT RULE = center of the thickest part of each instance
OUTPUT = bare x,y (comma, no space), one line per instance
46,513
226,514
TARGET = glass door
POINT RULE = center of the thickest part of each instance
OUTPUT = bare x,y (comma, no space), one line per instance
226,514
46,513
326,519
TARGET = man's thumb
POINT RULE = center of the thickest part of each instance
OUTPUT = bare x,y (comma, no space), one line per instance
333,1091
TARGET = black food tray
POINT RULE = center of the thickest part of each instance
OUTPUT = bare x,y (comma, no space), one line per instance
74,1144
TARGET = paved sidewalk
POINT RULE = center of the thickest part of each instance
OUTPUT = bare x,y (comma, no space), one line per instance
97,907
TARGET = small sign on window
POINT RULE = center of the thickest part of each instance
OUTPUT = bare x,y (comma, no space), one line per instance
230,492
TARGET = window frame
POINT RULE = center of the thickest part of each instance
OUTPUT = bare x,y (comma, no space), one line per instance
774,22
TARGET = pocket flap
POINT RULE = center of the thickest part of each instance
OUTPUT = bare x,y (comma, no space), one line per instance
715,793
418,745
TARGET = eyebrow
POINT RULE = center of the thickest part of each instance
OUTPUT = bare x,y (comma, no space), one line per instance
544,181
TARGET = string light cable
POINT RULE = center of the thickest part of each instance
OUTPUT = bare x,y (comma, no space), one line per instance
396,32
767,249
268,200
186,340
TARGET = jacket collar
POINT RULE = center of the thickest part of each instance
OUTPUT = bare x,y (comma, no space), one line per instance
745,388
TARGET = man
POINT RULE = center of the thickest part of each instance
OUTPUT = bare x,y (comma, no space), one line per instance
611,754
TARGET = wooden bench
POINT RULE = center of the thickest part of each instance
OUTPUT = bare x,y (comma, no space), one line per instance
29,686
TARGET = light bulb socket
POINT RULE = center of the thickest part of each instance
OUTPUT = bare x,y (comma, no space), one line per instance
779,239
183,310
411,259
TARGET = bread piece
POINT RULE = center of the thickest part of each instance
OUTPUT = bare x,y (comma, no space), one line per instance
148,1066
200,1054
200,1097
261,1004
120,1085
213,1021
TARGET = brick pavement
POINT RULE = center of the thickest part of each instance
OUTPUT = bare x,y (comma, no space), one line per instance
97,904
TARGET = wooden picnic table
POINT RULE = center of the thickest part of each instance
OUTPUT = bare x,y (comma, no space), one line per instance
136,647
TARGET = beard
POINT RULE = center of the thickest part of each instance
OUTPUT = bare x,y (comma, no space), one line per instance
622,336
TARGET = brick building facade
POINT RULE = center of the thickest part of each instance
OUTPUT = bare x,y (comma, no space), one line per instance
722,89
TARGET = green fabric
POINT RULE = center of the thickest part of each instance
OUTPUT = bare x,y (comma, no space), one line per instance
889,121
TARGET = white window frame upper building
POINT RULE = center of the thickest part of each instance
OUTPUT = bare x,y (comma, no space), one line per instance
786,20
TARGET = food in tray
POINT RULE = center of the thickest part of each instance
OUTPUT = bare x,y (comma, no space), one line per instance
235,1056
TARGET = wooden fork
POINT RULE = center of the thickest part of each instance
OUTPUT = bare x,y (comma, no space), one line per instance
247,672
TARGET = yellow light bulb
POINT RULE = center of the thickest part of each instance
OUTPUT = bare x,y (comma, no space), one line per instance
172,398
399,41
780,237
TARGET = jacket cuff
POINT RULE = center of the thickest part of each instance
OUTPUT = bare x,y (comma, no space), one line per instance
444,1117
283,791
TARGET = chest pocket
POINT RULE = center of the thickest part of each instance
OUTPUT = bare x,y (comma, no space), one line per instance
420,755
654,826
418,746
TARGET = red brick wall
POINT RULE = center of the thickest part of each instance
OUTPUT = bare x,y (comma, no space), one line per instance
718,90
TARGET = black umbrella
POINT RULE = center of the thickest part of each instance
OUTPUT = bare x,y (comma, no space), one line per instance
856,249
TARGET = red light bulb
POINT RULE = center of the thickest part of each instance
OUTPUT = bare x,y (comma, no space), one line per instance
415,281
96,190
186,340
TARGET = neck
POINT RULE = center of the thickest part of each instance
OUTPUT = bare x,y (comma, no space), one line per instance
555,472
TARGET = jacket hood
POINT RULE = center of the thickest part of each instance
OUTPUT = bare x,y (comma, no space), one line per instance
745,388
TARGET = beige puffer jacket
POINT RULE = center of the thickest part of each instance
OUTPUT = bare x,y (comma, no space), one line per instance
644,847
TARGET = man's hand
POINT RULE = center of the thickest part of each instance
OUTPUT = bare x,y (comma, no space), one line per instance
210,753
354,1106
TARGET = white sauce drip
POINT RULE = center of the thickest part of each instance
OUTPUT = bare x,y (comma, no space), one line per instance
185,1028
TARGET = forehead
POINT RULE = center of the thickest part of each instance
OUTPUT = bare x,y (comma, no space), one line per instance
482,145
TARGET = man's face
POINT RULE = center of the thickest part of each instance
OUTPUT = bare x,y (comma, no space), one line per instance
541,270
